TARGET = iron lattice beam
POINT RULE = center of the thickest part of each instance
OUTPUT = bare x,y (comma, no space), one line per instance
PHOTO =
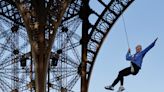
69,16
9,10
37,16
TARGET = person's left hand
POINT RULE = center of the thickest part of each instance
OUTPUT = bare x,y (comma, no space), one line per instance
156,39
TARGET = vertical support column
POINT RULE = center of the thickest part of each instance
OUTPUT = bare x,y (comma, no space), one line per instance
84,14
41,64
35,21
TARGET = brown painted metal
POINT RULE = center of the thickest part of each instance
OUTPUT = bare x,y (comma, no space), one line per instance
40,50
85,27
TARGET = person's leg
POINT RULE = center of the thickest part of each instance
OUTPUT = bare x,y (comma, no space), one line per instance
122,73
120,77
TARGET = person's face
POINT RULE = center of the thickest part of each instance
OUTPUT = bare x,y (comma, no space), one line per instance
138,48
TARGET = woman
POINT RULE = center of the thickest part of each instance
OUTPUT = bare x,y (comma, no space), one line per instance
136,63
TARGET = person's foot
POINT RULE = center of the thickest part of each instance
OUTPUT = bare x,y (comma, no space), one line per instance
109,87
121,88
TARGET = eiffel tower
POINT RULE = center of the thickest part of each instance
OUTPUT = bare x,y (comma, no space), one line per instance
48,45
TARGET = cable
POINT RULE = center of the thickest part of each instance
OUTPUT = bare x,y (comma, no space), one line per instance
125,30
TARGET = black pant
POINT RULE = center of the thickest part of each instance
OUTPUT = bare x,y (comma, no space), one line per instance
125,72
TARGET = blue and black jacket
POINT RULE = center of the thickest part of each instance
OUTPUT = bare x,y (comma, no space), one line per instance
137,58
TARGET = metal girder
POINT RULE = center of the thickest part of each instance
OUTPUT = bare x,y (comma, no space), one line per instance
9,10
37,16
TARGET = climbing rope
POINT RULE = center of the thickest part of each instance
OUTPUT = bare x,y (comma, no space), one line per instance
125,30
127,38
124,24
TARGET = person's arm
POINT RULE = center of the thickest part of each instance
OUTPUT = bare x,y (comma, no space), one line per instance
149,47
128,55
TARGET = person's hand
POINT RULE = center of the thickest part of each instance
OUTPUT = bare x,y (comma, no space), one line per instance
155,39
129,50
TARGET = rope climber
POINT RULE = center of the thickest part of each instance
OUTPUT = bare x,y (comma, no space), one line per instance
136,63
135,60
